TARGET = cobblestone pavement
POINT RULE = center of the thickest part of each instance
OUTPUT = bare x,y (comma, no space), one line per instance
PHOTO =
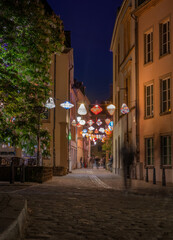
90,204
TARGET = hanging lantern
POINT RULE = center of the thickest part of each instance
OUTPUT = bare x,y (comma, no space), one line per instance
82,110
73,123
107,121
82,122
84,131
91,128
111,124
78,118
96,131
50,103
111,109
101,130
99,122
96,109
66,105
110,128
124,109
83,135
78,125
90,122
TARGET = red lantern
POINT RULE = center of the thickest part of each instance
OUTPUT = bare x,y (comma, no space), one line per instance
96,109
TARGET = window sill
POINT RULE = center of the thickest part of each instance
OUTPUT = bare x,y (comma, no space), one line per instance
165,113
166,167
149,117
146,64
164,55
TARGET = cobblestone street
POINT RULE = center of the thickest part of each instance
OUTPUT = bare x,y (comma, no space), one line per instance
90,204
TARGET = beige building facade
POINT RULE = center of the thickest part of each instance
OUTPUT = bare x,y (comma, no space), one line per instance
124,83
155,68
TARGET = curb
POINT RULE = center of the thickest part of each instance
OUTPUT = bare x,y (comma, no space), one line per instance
15,228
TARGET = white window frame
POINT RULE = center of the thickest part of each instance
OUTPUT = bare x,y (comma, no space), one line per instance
148,46
165,95
166,158
149,105
149,151
164,37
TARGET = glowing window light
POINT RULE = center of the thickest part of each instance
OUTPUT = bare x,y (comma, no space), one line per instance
90,122
96,109
50,103
82,122
78,118
107,121
66,105
91,128
73,123
82,110
101,130
111,109
99,122
124,109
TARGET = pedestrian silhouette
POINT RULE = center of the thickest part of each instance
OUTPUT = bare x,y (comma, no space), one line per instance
127,154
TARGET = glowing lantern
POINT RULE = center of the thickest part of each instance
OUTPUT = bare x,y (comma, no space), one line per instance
96,109
107,121
90,131
78,118
82,122
66,105
111,124
110,128
96,131
83,134
101,130
99,122
73,123
90,122
124,109
91,128
111,109
78,125
82,110
84,131
50,103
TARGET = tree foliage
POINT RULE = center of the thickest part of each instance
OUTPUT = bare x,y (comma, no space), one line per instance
29,35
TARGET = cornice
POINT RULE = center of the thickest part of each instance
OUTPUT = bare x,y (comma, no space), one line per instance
144,7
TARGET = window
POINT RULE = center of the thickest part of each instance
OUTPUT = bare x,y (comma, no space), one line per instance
165,95
149,101
165,37
149,151
166,150
148,47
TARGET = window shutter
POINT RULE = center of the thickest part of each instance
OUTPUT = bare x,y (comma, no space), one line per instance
160,38
145,105
168,37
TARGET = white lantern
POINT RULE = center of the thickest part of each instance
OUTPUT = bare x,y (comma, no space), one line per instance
82,122
78,118
82,110
111,109
50,103
66,105
73,123
91,128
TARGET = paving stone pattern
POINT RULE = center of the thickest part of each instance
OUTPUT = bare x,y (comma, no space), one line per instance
90,204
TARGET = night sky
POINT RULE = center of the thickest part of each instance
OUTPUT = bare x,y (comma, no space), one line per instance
91,23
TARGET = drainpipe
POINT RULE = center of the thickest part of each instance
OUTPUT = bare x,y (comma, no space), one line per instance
54,114
69,126
137,87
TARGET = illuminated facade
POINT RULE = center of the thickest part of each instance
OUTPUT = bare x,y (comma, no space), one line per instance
155,69
124,82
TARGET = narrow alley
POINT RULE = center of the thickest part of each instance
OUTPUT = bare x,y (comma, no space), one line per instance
91,204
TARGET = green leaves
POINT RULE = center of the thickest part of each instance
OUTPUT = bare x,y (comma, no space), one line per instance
28,37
